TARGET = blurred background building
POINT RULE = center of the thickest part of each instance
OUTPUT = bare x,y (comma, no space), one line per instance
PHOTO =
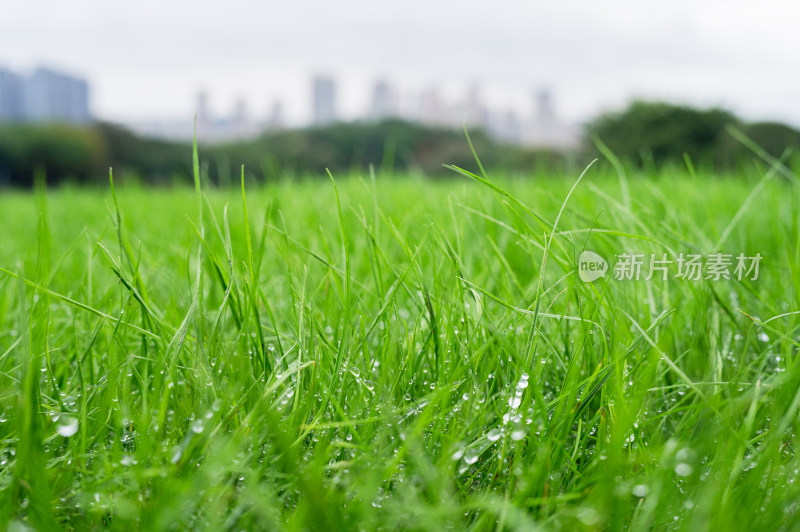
323,100
44,96
47,95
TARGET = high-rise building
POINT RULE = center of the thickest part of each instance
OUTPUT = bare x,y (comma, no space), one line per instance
546,128
384,101
52,96
11,103
202,112
240,119
275,118
432,109
324,100
545,110
473,111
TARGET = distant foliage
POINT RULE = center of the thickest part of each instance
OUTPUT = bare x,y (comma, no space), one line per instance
67,152
84,155
387,147
656,132
773,137
148,160
643,134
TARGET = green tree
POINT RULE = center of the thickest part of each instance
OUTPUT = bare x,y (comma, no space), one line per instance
659,132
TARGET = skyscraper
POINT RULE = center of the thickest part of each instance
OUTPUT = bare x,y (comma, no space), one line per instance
545,110
384,101
202,113
324,100
11,104
275,119
52,96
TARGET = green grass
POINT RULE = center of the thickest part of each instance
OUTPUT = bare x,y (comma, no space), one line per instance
398,354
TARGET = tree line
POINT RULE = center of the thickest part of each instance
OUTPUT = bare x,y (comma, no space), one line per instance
643,134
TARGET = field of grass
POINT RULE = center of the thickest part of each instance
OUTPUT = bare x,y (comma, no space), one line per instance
400,354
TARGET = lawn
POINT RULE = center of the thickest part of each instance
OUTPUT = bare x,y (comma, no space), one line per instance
391,352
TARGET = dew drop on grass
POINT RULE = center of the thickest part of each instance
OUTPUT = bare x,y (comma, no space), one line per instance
457,455
67,427
640,490
465,396
514,402
494,435
683,470
517,435
763,337
197,426
686,454
589,516
470,456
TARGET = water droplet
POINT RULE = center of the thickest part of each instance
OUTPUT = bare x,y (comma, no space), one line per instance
589,516
197,426
686,454
514,402
67,427
763,337
494,434
683,470
640,490
470,456
457,455
517,435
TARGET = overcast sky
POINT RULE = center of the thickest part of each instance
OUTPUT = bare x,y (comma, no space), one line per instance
149,58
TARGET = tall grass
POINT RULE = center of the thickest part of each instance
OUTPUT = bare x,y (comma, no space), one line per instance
384,353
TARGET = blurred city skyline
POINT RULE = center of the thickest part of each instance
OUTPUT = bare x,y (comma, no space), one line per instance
48,95
149,60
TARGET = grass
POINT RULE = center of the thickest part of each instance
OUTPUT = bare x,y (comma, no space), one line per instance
399,354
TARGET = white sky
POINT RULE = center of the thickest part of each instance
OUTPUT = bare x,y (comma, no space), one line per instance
149,58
